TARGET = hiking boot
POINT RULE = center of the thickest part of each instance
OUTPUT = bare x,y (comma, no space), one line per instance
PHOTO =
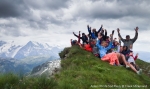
138,72
127,66
120,65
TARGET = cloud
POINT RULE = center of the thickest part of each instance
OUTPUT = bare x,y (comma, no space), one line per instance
47,4
12,8
54,21
129,13
35,14
113,9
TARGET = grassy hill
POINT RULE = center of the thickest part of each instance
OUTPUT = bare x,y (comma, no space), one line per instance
81,70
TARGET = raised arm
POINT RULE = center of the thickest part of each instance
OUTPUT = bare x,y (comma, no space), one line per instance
79,37
89,29
105,36
76,35
136,35
136,56
119,41
118,30
100,29
112,35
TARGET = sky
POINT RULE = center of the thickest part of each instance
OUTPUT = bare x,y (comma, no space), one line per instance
53,21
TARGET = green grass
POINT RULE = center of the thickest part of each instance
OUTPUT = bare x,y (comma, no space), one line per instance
81,70
12,81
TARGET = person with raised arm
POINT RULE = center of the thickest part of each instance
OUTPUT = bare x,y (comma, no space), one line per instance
83,37
75,42
128,41
94,33
132,59
113,58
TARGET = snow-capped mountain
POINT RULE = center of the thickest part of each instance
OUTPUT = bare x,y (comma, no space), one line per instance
33,49
48,68
8,50
11,50
29,55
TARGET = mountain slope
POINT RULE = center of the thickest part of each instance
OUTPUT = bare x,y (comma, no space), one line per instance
8,50
82,70
48,68
24,66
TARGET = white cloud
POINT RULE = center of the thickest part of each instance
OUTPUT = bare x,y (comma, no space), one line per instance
54,23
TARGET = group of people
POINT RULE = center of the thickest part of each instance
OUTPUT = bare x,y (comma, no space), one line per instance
108,48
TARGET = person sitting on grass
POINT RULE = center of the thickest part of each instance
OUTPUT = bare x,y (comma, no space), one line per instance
75,42
86,46
132,59
94,47
113,58
125,52
116,47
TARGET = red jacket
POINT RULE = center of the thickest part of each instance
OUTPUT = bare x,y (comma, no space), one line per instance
87,47
134,57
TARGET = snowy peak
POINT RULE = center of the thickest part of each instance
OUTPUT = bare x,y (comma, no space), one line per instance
8,49
2,43
47,68
38,45
32,48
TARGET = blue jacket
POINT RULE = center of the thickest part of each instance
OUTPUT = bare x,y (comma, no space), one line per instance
102,49
94,35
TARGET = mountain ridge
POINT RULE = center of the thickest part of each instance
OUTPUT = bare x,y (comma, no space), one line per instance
31,48
25,56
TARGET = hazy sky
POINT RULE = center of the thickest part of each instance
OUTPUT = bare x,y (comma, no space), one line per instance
53,21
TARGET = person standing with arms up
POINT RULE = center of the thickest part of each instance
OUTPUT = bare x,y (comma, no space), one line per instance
128,42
